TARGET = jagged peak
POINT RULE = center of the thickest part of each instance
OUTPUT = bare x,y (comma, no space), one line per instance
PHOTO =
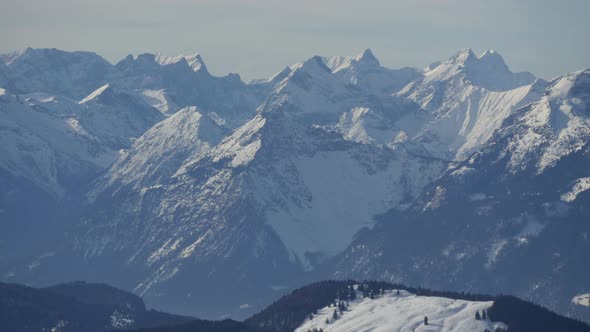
366,57
492,58
488,70
146,58
463,56
195,61
490,53
280,75
312,64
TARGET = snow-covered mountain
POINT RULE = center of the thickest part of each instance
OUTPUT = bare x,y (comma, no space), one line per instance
69,74
189,183
171,83
512,217
467,97
52,141
366,73
185,199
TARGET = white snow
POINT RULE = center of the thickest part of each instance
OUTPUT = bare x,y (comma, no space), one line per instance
163,149
160,100
404,312
582,299
466,117
95,94
363,125
579,186
120,320
488,71
241,146
195,61
494,251
553,127
327,222
59,326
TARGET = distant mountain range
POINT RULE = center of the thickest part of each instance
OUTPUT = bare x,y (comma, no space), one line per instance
156,176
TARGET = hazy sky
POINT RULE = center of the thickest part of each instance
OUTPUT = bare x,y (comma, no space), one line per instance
259,37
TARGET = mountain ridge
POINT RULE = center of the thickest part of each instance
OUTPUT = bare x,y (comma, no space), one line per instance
180,175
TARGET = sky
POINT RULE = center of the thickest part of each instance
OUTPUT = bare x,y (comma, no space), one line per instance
257,38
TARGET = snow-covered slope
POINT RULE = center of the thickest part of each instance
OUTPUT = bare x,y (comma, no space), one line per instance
488,71
162,150
46,143
468,98
553,128
517,205
403,311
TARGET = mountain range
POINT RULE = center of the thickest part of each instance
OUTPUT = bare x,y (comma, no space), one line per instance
156,176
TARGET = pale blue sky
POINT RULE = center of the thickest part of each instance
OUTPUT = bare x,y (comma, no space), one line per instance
259,37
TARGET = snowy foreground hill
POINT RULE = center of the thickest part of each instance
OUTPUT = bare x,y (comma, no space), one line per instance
323,306
403,311
156,176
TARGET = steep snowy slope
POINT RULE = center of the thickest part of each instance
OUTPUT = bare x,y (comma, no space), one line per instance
468,98
162,150
403,311
511,218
